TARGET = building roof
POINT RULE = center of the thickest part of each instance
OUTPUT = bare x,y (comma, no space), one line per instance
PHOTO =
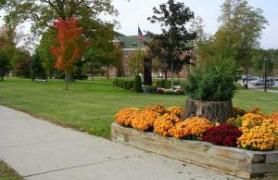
128,42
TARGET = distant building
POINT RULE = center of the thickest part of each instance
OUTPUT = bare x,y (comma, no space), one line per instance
129,44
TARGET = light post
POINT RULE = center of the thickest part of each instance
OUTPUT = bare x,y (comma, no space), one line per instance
265,75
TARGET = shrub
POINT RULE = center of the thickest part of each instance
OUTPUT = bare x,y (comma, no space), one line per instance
118,82
191,128
224,134
4,64
138,84
123,84
149,89
128,85
212,82
163,84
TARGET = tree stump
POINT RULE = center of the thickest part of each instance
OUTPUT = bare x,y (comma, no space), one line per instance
215,111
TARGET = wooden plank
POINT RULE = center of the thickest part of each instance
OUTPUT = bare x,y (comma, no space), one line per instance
271,168
235,161
272,157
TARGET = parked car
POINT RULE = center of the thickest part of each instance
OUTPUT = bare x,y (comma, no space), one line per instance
248,77
261,81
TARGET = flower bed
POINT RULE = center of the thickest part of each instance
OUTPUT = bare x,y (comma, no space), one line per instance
247,131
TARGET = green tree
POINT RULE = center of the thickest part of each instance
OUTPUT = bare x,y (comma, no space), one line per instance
8,46
258,58
42,13
103,53
48,61
4,64
136,63
241,29
138,84
157,54
21,63
37,70
272,60
173,18
202,43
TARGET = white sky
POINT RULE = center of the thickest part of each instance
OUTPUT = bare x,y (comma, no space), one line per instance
135,13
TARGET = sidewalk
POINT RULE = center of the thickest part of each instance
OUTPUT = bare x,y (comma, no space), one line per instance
39,150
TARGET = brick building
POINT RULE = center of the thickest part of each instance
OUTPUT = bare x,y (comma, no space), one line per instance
129,44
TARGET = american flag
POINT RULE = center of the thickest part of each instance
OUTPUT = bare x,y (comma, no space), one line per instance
140,35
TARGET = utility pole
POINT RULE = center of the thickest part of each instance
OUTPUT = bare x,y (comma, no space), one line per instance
265,75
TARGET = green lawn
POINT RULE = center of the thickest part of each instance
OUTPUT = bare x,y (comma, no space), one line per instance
7,173
90,105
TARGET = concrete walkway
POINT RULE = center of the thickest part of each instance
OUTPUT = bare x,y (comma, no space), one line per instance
39,150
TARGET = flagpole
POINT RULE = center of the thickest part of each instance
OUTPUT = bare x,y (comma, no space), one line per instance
141,43
139,38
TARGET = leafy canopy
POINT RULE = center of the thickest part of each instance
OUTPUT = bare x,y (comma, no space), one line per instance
42,13
237,36
70,43
212,82
175,38
4,64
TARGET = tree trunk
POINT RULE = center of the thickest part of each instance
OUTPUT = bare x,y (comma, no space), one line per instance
215,111
172,75
247,80
108,73
166,75
148,72
67,78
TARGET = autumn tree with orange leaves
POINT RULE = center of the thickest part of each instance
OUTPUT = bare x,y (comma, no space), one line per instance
70,45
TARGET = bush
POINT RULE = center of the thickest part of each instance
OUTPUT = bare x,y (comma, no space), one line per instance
37,69
149,89
118,83
212,82
224,134
138,84
128,85
4,64
164,84
80,77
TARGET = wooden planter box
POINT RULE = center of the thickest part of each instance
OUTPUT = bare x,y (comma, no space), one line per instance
234,161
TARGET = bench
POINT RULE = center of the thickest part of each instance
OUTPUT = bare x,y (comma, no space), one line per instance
41,80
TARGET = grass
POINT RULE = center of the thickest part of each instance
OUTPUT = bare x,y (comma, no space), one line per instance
7,173
90,105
